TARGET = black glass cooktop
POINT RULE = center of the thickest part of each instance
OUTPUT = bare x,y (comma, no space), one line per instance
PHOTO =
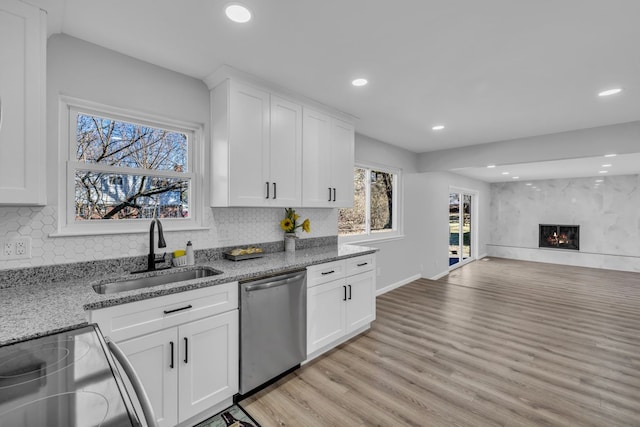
62,380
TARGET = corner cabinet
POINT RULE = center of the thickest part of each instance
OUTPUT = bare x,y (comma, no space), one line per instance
328,161
341,302
184,348
256,151
22,104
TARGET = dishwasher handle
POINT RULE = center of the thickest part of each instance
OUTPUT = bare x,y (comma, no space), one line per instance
273,282
143,398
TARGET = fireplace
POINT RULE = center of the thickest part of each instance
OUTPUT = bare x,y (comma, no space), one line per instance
559,236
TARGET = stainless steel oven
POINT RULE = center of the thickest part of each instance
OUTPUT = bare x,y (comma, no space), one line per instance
67,379
273,328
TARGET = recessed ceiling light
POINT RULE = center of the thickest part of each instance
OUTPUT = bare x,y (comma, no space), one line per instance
608,165
610,155
359,82
515,177
505,173
528,183
610,92
603,171
599,180
491,166
238,13
438,127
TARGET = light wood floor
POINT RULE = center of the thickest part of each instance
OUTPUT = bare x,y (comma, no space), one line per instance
496,343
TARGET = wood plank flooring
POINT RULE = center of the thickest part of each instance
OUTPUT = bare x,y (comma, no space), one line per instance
496,343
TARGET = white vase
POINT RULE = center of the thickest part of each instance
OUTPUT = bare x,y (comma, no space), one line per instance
290,242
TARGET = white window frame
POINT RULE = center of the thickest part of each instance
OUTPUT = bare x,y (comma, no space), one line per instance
68,226
398,200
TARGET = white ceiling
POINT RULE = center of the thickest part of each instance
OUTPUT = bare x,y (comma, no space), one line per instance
626,164
489,70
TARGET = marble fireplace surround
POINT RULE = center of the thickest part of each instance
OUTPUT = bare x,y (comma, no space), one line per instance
606,211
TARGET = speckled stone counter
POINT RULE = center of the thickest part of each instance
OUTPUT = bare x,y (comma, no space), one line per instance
30,311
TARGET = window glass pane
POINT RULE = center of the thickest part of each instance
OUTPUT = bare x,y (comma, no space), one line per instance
120,196
118,143
381,201
353,220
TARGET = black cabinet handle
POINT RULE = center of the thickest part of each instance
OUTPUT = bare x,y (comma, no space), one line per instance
178,309
267,190
274,190
186,350
171,364
334,194
344,288
363,264
324,273
329,194
349,291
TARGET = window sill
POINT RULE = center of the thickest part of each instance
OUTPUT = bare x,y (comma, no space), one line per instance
145,230
368,239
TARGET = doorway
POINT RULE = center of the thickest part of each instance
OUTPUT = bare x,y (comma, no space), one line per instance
462,231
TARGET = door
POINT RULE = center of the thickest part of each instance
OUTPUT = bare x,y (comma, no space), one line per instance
248,145
361,304
342,162
285,153
461,228
22,104
208,359
316,167
326,314
155,359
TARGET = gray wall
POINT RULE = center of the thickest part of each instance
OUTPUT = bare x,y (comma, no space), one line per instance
423,251
620,139
83,70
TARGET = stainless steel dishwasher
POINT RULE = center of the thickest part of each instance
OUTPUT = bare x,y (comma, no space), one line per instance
273,328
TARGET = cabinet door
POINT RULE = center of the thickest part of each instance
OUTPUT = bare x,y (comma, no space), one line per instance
151,356
342,162
326,319
285,154
208,363
22,104
361,300
248,145
316,159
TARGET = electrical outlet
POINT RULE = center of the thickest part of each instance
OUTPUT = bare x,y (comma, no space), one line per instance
19,248
8,249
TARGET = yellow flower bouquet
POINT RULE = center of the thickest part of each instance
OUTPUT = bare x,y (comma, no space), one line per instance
290,222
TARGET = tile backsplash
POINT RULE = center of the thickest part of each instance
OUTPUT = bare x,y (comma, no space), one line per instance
226,227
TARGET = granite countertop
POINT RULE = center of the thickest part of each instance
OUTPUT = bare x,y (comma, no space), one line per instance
45,308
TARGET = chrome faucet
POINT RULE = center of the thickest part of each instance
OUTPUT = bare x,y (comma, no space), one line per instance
151,260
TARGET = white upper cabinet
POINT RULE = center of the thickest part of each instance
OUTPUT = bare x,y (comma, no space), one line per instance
22,104
328,161
272,150
256,147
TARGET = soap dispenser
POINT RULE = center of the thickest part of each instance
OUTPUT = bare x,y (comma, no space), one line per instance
190,257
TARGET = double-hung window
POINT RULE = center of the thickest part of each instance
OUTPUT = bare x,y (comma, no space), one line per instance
375,213
123,169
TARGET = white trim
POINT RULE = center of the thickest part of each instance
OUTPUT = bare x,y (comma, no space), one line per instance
438,276
475,213
335,343
398,203
397,284
68,226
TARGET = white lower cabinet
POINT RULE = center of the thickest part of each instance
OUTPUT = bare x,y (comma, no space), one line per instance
184,348
341,301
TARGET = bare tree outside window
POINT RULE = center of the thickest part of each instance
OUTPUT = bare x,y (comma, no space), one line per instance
129,170
372,210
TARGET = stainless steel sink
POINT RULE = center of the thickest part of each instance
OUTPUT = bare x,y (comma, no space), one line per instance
160,279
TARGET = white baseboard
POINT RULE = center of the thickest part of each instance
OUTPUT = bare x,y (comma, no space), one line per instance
438,276
397,284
